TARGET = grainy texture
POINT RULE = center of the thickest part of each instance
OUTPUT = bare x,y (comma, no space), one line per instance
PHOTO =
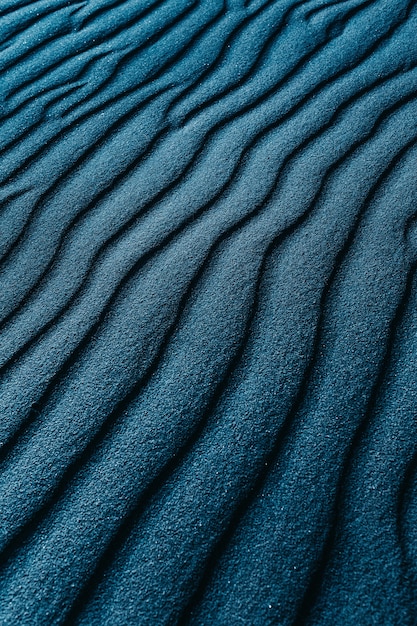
208,355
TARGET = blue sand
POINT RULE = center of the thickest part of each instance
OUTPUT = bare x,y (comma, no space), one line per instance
208,292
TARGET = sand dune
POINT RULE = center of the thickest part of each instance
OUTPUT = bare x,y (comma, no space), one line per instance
208,256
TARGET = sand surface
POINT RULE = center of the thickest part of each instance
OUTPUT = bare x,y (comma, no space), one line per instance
208,313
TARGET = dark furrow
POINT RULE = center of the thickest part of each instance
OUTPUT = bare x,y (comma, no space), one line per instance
94,14
119,179
62,91
92,17
149,42
15,7
315,437
316,90
124,403
155,74
117,30
30,81
322,8
13,195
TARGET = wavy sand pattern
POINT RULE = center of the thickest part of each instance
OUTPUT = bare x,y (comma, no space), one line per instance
208,318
